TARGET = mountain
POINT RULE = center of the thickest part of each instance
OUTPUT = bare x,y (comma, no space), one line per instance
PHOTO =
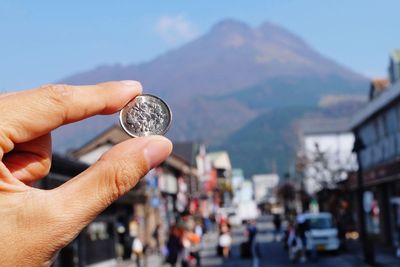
267,143
225,79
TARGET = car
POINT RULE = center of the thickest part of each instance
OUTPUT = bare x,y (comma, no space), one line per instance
321,234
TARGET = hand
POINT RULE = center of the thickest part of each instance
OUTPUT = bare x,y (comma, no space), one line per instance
36,223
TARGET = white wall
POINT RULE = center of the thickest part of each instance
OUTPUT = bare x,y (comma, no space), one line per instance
92,156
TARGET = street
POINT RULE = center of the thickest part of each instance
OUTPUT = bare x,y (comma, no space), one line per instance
272,253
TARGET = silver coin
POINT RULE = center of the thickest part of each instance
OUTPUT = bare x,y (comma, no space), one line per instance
145,115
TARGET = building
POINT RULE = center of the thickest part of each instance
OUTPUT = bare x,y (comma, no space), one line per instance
394,66
242,188
264,187
221,167
237,182
377,87
156,202
247,191
377,126
325,154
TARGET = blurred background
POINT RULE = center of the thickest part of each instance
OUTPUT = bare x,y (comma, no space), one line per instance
286,126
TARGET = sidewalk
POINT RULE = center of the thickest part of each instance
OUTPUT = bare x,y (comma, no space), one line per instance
383,256
208,254
152,260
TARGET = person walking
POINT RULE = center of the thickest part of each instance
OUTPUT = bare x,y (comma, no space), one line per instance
174,246
301,230
252,231
293,243
137,250
278,226
225,241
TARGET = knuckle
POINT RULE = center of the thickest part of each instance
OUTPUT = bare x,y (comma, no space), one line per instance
121,179
44,166
58,96
6,145
119,176
118,179
57,93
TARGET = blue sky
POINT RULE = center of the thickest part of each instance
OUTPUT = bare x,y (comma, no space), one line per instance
44,41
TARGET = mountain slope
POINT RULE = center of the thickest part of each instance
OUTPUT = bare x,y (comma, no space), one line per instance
225,79
267,143
228,58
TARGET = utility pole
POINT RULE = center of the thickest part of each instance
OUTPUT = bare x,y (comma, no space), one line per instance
368,248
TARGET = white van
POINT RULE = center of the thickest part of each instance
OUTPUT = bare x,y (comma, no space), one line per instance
322,234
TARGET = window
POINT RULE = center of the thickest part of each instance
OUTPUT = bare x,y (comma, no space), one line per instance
391,121
368,134
381,127
320,223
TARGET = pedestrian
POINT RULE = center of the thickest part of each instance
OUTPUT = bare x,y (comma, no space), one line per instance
174,246
189,253
199,229
252,231
47,220
301,229
156,237
277,224
195,246
294,243
137,250
225,241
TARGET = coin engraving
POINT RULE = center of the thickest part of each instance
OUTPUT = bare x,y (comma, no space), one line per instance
145,115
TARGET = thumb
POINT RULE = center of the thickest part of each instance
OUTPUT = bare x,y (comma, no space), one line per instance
115,173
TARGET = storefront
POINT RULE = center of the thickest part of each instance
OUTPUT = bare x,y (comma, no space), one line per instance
377,126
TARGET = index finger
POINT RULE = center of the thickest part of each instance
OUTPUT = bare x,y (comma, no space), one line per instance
33,113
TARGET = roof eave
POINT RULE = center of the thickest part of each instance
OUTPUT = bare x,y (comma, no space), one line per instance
379,103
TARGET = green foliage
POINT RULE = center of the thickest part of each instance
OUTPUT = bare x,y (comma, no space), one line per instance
268,139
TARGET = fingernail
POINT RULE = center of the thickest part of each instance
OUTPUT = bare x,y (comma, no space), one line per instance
130,86
130,83
157,150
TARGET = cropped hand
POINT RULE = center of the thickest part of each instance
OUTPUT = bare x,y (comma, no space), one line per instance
36,223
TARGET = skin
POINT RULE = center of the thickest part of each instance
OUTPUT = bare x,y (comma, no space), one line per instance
36,223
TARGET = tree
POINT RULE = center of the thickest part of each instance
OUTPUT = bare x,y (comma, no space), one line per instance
287,195
324,169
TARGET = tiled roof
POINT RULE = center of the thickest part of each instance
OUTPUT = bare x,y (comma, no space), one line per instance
112,135
380,83
377,87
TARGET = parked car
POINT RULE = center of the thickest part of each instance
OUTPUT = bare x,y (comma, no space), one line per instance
322,234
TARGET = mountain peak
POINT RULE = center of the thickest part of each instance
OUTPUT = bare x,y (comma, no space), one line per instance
279,33
229,25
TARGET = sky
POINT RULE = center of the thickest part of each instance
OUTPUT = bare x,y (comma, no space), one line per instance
44,41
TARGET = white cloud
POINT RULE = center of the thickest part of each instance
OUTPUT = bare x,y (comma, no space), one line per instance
174,29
